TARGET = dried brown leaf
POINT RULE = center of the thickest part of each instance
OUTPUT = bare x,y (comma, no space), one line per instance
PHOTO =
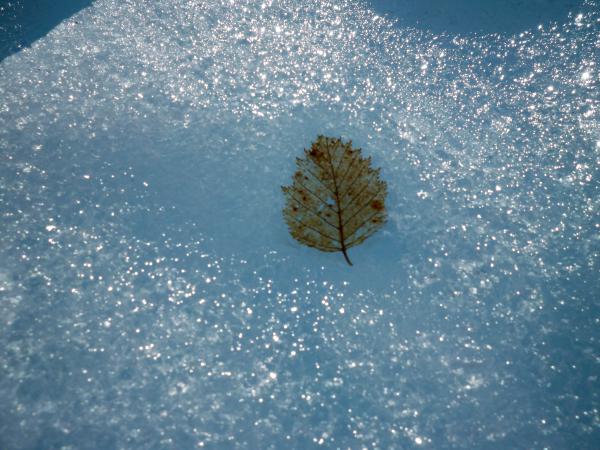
336,200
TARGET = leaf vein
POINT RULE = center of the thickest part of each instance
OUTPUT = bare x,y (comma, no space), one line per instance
315,213
365,205
325,235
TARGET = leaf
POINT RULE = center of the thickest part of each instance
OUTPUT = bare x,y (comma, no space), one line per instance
336,200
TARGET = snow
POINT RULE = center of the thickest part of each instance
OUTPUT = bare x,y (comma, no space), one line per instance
152,297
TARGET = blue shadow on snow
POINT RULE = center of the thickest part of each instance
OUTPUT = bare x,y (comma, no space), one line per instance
22,22
466,17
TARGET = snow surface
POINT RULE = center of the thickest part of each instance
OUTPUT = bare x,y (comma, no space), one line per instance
151,296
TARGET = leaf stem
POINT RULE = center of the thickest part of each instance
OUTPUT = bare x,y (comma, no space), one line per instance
346,256
338,204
